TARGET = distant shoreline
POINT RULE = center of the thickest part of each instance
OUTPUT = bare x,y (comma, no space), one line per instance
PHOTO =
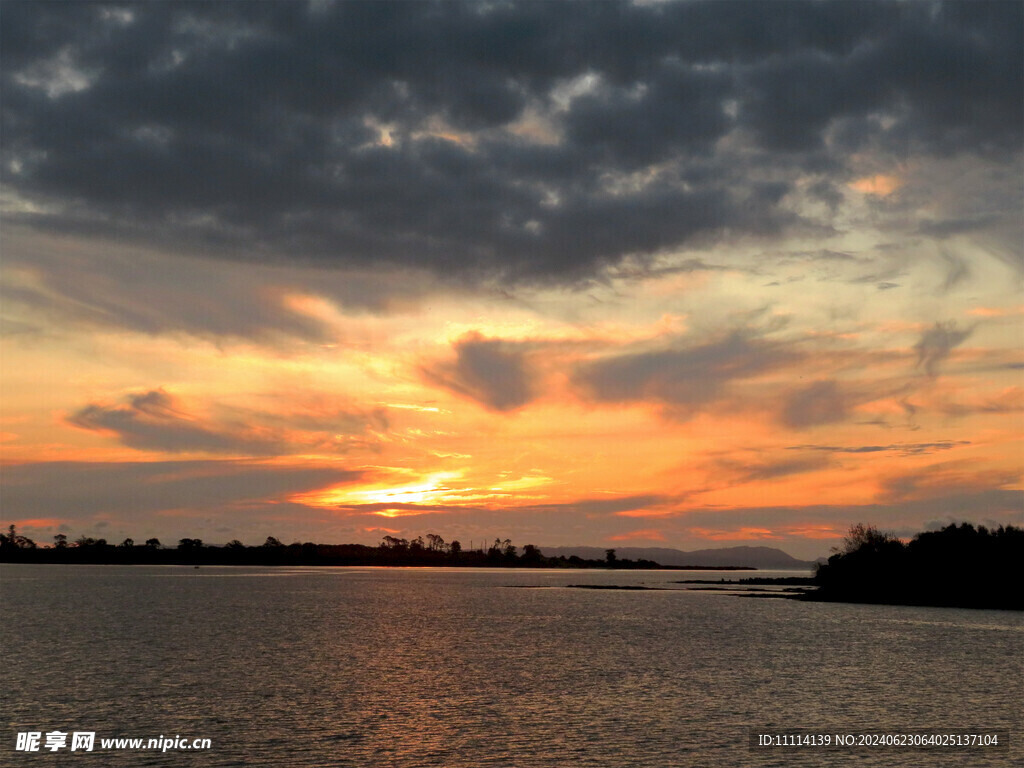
41,557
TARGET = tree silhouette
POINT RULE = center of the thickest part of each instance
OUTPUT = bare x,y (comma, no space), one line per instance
862,536
14,540
956,566
531,555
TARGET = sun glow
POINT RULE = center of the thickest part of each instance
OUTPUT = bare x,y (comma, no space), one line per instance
431,490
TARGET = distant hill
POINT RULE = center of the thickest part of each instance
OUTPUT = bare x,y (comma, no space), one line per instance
767,558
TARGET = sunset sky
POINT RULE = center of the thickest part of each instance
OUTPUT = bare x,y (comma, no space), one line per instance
619,274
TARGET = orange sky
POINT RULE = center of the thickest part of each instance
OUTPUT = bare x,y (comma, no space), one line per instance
637,412
825,343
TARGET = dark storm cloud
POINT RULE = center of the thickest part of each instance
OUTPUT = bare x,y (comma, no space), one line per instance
583,132
493,372
684,379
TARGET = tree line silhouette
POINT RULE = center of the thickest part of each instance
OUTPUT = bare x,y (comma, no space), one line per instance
960,566
392,551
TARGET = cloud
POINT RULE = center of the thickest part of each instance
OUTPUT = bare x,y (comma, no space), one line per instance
903,449
494,373
823,402
879,184
111,285
945,228
646,534
1009,400
684,379
945,481
157,421
150,421
738,472
80,490
534,141
585,507
745,533
936,344
906,515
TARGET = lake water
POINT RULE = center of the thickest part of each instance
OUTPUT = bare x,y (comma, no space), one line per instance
454,667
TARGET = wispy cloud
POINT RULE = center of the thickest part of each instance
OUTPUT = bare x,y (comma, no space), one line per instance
823,402
936,344
903,449
157,421
682,378
79,491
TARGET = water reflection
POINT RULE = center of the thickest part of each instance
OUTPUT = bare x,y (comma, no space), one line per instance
405,668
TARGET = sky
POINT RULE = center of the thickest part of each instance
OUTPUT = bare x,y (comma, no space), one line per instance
682,274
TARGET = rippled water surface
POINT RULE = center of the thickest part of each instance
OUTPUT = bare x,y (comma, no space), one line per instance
438,667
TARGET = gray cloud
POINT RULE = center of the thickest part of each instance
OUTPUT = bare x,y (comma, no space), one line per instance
904,449
945,228
1008,401
150,421
936,344
823,402
106,284
79,490
684,379
495,373
156,421
907,515
949,479
526,140
737,472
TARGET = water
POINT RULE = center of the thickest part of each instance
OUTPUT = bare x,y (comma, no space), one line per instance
449,667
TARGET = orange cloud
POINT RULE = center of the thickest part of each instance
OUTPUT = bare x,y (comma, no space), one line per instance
647,534
737,534
880,184
996,311
429,489
815,531
36,522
